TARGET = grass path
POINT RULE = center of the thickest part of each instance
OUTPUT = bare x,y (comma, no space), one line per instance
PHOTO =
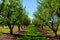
32,34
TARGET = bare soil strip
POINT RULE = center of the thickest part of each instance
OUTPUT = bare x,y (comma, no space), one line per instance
49,34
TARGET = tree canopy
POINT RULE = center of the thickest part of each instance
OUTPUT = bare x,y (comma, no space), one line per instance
48,11
12,13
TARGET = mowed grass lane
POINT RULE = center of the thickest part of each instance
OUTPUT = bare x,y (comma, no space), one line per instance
32,34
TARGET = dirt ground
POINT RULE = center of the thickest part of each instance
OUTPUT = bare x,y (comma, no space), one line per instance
7,36
49,34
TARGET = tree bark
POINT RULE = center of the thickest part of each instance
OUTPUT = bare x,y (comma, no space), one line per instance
54,30
19,28
10,29
42,27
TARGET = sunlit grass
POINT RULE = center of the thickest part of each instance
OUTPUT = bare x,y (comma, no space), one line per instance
15,27
58,32
32,31
4,29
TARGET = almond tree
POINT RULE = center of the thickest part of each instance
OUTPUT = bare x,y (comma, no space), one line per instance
47,11
8,11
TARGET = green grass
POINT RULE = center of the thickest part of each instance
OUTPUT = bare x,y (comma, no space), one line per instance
32,34
4,31
58,32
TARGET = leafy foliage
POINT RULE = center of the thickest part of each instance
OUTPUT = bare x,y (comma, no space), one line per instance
12,13
47,11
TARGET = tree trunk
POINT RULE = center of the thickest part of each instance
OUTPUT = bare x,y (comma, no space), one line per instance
55,32
19,28
42,27
10,29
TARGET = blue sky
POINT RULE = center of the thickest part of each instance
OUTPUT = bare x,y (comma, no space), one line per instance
31,6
